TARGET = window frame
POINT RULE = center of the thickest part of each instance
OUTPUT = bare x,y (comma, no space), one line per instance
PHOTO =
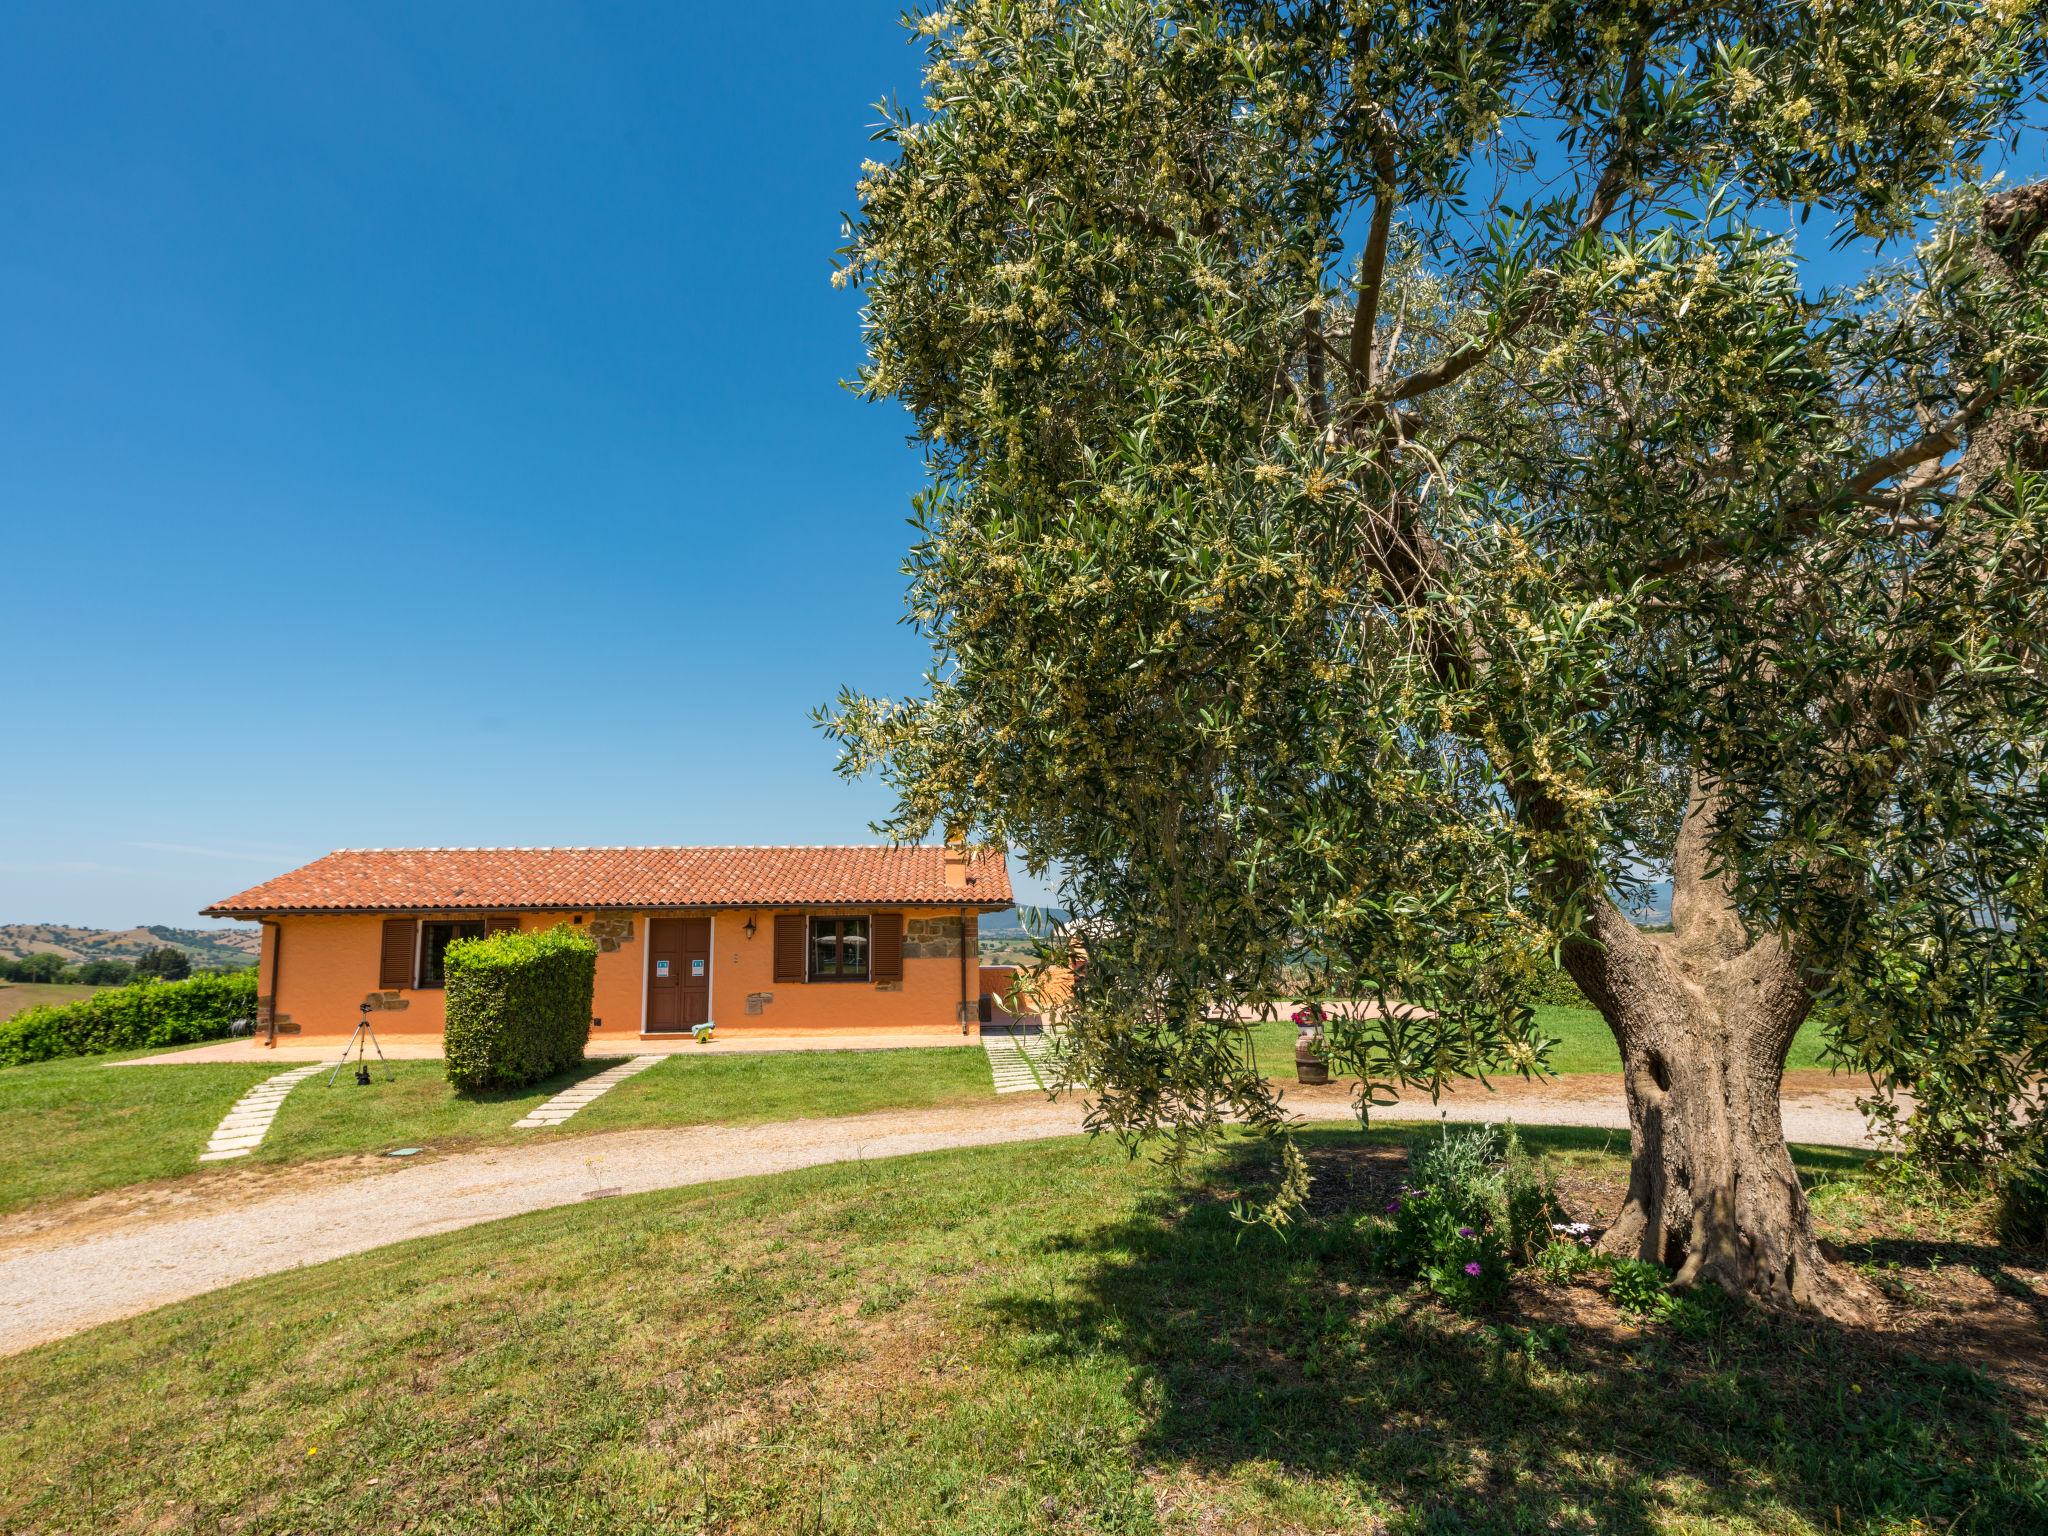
419,954
839,922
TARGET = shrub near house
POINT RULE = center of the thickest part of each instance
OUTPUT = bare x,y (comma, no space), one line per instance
518,1006
148,1014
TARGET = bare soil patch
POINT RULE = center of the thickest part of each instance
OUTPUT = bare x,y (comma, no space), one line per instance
212,1189
1953,1299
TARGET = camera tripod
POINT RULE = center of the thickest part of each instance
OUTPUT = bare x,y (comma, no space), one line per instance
362,1042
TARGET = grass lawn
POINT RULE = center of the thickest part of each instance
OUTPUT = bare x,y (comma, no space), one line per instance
414,1107
17,995
1042,1338
1584,1043
74,1127
791,1085
418,1108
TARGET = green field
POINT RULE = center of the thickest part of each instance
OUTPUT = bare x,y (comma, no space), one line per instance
77,1127
1583,1043
1037,1339
17,995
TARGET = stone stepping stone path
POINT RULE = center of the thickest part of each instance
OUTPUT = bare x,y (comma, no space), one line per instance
245,1126
569,1100
1020,1062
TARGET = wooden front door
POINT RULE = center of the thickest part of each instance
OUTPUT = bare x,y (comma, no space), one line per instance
678,974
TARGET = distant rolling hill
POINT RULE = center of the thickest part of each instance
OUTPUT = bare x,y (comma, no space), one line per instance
1010,924
1004,938
206,946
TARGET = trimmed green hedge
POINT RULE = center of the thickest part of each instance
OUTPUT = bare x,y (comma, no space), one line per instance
148,1014
1558,989
518,1006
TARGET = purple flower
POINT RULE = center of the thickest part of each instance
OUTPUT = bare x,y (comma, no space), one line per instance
1472,1269
1393,1206
1466,1232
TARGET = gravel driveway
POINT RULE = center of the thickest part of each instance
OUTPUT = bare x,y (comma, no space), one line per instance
58,1279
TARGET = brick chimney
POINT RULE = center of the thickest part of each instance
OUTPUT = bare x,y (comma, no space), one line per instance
959,863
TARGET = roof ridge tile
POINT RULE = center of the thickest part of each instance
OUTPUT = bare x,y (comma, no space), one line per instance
626,876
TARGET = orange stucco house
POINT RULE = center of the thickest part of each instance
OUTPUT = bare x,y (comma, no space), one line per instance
769,939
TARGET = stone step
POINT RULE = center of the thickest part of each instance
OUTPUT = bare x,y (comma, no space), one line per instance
244,1126
566,1103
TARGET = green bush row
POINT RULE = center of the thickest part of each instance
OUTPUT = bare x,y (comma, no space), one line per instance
148,1014
518,1007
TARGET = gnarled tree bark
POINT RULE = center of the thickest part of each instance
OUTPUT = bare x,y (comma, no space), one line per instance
1705,1017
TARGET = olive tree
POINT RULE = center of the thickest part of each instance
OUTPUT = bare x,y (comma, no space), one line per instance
1398,485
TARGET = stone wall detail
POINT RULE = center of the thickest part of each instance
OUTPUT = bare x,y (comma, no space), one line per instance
611,931
931,938
269,1020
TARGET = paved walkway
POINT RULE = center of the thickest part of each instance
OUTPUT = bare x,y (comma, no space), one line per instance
56,1281
1019,1060
569,1100
242,1130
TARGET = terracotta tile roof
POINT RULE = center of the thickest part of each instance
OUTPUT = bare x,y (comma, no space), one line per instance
479,879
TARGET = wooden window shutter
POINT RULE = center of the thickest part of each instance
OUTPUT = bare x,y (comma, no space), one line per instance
502,923
790,942
885,949
395,968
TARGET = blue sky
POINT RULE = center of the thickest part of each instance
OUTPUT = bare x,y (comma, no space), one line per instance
422,424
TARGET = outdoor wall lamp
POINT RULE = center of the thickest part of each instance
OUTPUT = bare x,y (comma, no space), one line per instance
748,930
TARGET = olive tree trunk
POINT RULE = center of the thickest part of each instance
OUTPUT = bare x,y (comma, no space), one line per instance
1705,1017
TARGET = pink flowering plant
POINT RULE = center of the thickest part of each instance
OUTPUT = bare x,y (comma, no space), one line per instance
1476,1207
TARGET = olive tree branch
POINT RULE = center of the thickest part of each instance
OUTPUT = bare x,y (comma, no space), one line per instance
1923,454
1607,195
1372,266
